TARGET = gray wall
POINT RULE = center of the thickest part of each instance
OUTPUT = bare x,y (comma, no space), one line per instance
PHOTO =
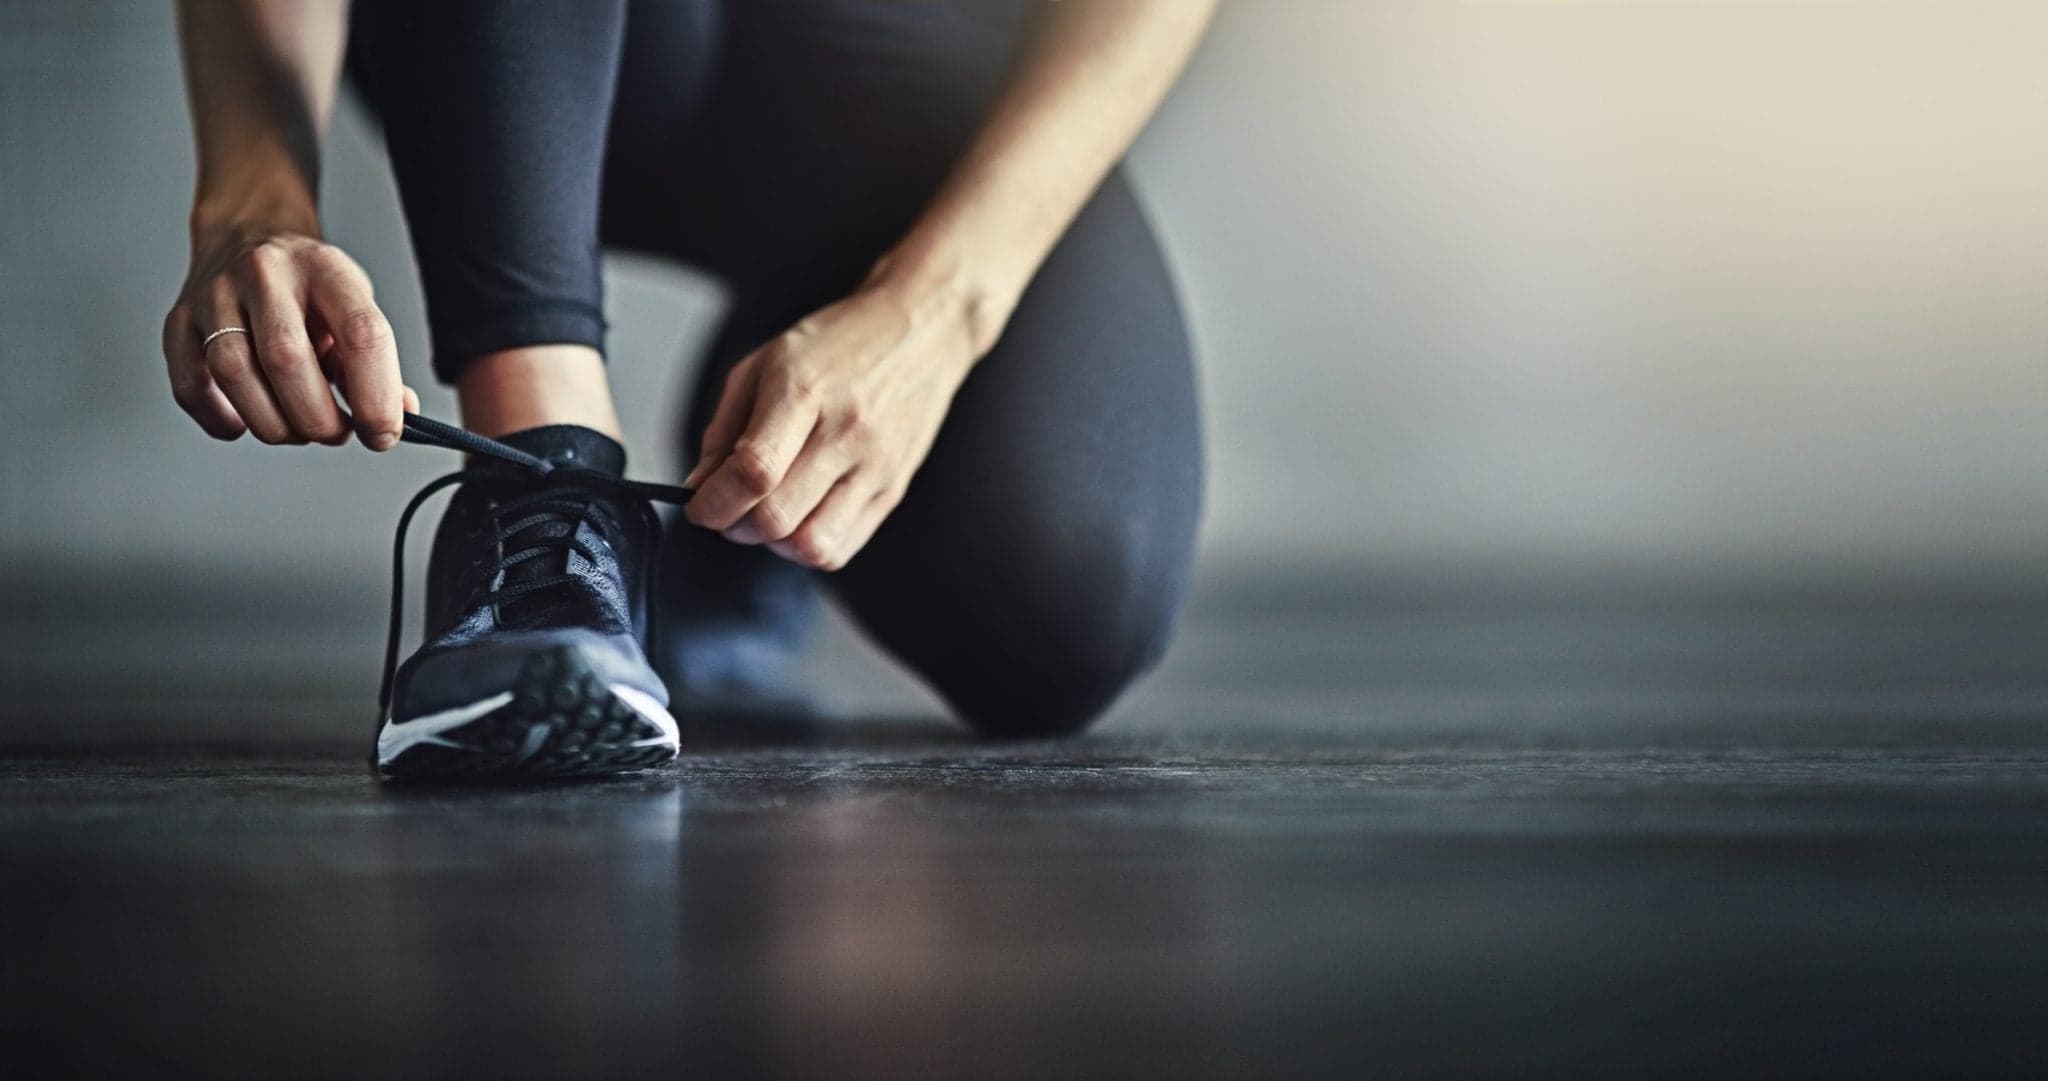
1743,286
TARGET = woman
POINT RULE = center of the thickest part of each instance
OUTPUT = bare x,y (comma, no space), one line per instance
937,271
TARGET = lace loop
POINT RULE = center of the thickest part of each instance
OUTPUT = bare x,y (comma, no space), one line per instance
549,499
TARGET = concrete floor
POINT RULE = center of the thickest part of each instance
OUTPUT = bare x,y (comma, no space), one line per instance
1407,833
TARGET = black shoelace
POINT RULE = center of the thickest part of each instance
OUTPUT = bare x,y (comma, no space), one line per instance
559,493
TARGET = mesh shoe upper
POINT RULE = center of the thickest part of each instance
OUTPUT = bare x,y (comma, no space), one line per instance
523,561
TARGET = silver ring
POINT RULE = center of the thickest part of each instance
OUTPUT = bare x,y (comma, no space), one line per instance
208,340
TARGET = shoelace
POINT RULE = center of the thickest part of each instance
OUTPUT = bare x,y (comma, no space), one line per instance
553,497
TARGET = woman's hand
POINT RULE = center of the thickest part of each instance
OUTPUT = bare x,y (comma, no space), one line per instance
312,324
818,432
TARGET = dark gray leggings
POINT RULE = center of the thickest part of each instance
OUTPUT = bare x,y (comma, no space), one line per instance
1036,565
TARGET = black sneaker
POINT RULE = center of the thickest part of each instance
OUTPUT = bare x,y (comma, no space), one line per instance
537,613
731,623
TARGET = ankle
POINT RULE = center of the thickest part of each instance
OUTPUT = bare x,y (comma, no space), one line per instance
515,389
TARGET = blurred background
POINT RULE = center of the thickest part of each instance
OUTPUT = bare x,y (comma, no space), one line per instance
1484,292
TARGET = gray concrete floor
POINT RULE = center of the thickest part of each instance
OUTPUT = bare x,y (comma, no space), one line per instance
1416,832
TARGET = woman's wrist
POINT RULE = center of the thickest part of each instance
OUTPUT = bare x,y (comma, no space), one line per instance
213,229
255,201
216,221
961,284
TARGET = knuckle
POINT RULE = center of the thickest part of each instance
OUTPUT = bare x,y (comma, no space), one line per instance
327,429
281,351
333,260
800,387
262,258
753,469
271,434
363,330
813,549
772,520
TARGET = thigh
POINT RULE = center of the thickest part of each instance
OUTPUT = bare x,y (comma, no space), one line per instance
820,130
656,161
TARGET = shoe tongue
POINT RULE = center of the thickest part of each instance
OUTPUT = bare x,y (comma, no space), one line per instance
571,445
567,445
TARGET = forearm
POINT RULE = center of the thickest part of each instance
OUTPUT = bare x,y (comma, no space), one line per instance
260,76
1091,76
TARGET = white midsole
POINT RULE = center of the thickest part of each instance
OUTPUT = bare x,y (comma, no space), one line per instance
397,737
651,708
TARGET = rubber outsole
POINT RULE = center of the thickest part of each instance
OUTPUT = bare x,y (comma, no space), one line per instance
559,720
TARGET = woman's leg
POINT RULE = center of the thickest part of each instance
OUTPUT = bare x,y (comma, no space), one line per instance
495,118
533,661
1038,561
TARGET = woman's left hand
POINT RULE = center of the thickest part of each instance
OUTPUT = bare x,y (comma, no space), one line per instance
818,432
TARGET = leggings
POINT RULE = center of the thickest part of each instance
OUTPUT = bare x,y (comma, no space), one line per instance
1036,565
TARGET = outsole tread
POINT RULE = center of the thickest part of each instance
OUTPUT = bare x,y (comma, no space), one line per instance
563,721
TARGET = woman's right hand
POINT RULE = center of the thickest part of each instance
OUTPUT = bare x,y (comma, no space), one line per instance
312,324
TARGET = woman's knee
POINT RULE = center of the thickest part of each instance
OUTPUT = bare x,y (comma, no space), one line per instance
1051,660
1055,690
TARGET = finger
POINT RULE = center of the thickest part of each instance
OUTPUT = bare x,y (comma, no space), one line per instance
330,365
284,352
735,405
761,457
841,526
855,537
191,387
232,364
365,352
784,509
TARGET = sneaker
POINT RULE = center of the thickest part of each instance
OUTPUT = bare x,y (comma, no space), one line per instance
731,625
535,661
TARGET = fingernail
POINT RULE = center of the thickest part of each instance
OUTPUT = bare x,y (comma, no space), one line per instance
382,441
691,480
743,534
